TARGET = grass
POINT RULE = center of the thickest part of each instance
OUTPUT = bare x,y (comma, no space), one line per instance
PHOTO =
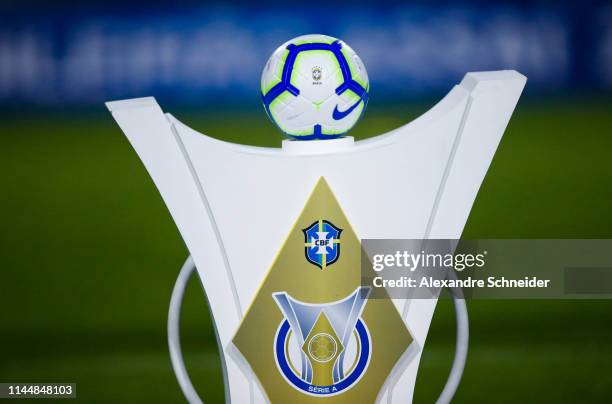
89,256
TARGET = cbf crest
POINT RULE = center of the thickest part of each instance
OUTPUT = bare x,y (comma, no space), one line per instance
322,243
317,74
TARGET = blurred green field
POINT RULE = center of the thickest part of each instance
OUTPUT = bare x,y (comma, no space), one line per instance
89,256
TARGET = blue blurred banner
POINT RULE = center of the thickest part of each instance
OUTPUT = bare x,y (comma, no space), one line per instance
207,55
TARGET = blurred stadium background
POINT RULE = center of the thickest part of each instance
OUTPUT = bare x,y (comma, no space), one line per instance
89,253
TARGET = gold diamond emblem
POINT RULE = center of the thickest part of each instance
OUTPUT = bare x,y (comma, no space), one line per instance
312,334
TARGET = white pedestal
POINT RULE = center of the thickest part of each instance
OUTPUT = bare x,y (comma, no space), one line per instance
234,204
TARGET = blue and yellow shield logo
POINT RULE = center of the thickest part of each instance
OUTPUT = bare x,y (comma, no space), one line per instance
322,243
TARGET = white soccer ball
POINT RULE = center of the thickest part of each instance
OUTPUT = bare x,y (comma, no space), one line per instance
314,87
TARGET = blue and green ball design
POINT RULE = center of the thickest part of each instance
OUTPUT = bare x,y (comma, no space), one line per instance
314,87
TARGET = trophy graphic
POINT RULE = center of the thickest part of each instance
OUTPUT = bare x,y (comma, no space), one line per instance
275,232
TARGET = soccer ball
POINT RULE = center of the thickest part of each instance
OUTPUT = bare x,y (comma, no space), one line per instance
314,87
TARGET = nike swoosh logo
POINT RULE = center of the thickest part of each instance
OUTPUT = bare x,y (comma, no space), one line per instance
338,115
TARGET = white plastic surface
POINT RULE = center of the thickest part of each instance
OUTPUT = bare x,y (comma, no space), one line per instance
235,204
